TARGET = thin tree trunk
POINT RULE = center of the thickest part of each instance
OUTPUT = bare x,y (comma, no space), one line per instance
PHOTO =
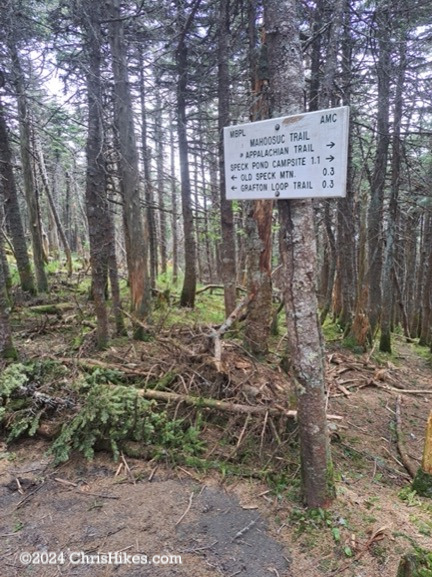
388,269
29,184
298,252
7,349
228,245
346,225
161,181
375,248
114,277
96,185
332,261
426,287
259,215
187,297
53,208
136,234
149,195
174,205
12,210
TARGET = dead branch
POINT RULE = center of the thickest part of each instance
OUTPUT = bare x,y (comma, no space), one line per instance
220,405
211,287
187,510
403,391
231,319
407,462
215,335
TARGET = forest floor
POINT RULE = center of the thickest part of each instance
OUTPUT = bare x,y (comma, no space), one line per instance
243,514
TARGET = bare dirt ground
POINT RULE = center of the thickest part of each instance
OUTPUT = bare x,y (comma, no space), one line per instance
222,524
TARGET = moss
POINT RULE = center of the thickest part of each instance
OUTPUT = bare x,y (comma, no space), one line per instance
331,331
416,564
422,484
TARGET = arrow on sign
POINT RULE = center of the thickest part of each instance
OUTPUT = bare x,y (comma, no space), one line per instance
234,177
330,158
233,188
331,144
241,155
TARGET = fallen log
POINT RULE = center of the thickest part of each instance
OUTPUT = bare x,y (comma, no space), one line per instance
52,309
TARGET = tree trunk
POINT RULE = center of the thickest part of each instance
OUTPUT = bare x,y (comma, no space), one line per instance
187,297
375,249
136,234
259,213
298,252
346,225
96,185
425,282
114,277
29,184
161,181
7,350
388,269
53,208
332,256
259,284
228,245
149,195
174,206
12,210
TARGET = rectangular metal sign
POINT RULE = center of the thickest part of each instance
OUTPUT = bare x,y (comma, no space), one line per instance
301,156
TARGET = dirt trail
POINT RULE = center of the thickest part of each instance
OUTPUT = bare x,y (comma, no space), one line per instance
216,536
230,526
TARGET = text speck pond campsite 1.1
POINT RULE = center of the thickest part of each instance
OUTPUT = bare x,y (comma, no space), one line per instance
301,156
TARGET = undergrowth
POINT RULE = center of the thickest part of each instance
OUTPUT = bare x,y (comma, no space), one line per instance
105,412
114,413
20,410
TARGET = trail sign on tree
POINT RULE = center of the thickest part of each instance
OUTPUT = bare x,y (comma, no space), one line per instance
298,156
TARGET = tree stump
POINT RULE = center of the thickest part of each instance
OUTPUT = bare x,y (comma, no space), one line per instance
422,483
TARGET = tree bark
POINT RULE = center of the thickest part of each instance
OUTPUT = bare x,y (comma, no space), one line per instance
7,350
298,252
228,245
375,241
174,206
136,234
187,297
96,185
259,213
54,211
161,181
346,225
148,185
388,268
29,184
12,210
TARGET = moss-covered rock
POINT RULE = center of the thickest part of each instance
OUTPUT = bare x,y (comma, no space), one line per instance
415,564
422,484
